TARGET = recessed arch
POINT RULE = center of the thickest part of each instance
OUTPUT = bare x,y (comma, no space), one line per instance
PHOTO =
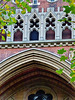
42,56
34,35
32,65
66,34
50,35
18,35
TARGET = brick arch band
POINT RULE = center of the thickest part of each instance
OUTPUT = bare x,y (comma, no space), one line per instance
30,66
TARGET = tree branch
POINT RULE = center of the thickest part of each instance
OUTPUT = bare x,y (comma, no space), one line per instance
4,4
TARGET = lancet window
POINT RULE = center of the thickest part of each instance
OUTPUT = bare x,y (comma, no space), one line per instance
34,28
18,29
50,27
66,27
34,1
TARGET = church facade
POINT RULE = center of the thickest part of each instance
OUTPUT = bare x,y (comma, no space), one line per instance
29,59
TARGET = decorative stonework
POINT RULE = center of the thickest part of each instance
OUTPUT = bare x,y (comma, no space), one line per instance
41,22
37,44
68,98
71,54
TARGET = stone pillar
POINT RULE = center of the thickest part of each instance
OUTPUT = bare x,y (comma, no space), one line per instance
9,39
41,31
73,31
58,26
25,35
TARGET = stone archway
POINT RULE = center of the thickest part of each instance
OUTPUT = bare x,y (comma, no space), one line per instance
32,68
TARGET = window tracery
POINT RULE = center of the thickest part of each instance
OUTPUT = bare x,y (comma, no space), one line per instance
40,95
66,26
18,29
34,28
50,27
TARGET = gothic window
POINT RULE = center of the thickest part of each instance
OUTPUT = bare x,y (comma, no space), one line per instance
40,95
4,35
18,29
34,35
19,23
66,34
35,1
66,26
34,28
50,27
50,34
18,35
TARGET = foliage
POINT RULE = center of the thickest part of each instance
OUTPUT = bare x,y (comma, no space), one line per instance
68,9
63,58
6,10
60,71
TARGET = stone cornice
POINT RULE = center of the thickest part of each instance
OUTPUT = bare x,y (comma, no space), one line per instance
33,44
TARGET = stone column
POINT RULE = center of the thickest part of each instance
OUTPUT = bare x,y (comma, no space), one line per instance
58,26
41,34
25,35
73,31
9,39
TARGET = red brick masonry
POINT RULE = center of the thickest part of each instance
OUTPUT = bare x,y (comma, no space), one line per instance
5,53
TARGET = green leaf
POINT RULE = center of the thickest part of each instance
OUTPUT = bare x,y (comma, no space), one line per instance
23,11
24,4
28,1
72,79
3,38
61,51
63,58
72,74
73,60
60,71
29,9
9,13
8,0
71,49
72,66
14,20
60,20
74,28
67,9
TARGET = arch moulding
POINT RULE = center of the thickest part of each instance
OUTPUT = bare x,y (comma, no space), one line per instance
49,59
